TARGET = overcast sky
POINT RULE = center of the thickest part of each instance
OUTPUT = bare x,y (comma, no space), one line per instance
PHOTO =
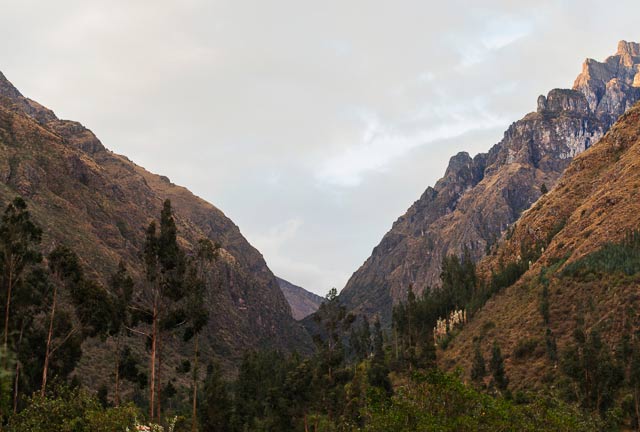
312,124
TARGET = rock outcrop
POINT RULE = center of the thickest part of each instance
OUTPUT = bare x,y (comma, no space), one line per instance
478,198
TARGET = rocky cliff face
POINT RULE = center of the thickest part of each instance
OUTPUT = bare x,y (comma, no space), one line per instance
303,303
99,203
479,198
596,202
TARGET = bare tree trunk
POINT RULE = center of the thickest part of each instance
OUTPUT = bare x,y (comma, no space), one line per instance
306,425
116,398
152,384
47,352
16,383
158,377
7,308
637,406
194,414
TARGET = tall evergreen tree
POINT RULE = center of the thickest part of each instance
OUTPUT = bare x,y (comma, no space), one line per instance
478,368
497,368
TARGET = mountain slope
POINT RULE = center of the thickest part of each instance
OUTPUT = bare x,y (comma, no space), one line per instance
577,227
478,198
302,302
100,203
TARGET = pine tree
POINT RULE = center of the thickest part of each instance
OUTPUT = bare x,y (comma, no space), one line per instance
478,368
378,373
215,414
497,368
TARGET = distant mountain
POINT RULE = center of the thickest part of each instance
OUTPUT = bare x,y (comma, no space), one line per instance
99,203
586,233
478,198
302,302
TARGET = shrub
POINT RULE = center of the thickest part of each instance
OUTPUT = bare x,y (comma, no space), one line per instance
525,348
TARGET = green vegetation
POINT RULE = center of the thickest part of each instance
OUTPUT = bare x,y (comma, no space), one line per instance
623,257
359,378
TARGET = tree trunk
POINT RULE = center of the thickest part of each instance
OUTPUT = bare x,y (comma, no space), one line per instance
159,379
152,383
5,336
194,414
116,397
17,378
47,352
637,406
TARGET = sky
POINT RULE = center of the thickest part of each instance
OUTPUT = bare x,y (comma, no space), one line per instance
312,125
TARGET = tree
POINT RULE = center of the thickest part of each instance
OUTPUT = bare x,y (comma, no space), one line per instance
544,303
360,339
86,311
158,300
215,414
497,368
596,374
121,286
18,236
196,310
478,369
543,189
378,373
65,268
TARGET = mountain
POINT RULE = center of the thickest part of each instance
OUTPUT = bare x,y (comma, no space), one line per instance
99,203
302,302
585,231
478,198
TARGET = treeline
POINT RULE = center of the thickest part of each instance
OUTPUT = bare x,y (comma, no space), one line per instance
362,377
51,306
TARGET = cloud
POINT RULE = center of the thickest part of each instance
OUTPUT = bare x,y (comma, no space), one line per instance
498,33
312,125
381,145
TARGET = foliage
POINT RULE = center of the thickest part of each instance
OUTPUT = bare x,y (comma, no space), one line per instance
437,401
622,257
595,373
71,410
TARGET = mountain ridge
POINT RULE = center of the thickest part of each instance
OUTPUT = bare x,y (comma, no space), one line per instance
478,198
594,206
84,195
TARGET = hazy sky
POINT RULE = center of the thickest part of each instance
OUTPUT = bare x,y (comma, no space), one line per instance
312,124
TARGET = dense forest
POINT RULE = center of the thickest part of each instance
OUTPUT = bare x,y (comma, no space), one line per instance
361,377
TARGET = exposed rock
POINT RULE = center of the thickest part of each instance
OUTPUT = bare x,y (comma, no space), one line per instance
596,202
478,199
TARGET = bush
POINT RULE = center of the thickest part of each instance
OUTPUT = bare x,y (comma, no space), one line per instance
525,348
71,410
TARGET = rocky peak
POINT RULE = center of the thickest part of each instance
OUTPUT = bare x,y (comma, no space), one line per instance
629,52
477,199
607,83
559,100
7,89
